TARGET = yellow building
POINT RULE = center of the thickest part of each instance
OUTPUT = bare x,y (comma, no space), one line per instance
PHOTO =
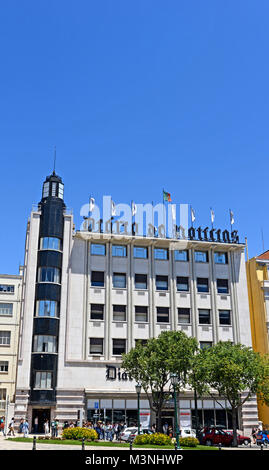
258,293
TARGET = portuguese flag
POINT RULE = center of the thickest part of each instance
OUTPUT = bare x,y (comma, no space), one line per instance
166,196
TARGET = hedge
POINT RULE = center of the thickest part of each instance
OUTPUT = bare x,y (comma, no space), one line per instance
156,439
80,433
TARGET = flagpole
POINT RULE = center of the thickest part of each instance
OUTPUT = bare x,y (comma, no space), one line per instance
191,217
164,212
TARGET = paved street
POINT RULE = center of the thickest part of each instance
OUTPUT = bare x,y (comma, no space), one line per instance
6,444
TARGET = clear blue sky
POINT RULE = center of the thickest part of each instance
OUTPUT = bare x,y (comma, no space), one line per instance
137,96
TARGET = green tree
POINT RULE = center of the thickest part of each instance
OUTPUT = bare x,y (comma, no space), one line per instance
152,364
236,372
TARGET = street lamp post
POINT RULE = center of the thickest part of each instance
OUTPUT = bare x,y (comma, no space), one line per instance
138,388
174,381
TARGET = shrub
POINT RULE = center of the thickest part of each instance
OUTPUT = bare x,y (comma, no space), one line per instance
188,441
156,439
79,433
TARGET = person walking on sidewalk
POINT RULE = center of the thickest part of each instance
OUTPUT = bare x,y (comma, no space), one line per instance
25,428
11,428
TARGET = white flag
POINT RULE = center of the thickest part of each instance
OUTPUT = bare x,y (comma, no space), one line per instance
92,204
192,215
113,208
231,217
134,208
212,216
173,211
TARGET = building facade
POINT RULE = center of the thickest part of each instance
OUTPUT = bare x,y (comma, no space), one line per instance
90,296
258,292
10,305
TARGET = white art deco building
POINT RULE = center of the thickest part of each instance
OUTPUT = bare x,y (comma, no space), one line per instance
88,297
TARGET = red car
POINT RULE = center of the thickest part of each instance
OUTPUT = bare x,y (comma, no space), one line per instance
215,436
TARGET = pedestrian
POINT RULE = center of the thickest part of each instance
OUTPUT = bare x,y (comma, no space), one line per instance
21,427
11,428
56,427
46,427
25,428
2,425
52,428
165,428
254,435
36,424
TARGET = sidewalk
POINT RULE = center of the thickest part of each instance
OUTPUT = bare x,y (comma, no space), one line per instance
6,444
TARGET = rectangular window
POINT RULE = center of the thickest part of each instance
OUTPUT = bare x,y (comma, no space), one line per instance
221,258
161,253
97,312
119,250
222,286
201,256
181,255
46,188
205,344
43,380
162,315
47,308
7,288
53,190
61,191
96,346
3,366
45,344
6,309
140,281
184,315
119,312
98,249
182,283
204,316
224,317
97,279
5,338
141,313
161,282
142,342
202,284
119,280
140,252
3,394
49,274
118,347
50,243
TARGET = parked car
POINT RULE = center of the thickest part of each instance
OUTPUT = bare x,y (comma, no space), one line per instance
186,432
262,437
214,436
133,435
124,435
242,440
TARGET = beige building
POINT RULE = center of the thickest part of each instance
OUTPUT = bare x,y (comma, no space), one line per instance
10,305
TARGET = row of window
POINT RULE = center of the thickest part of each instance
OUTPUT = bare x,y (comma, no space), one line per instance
119,346
7,288
163,314
141,282
159,253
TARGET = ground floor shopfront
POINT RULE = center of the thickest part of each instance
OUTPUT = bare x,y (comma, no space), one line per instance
84,405
113,410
